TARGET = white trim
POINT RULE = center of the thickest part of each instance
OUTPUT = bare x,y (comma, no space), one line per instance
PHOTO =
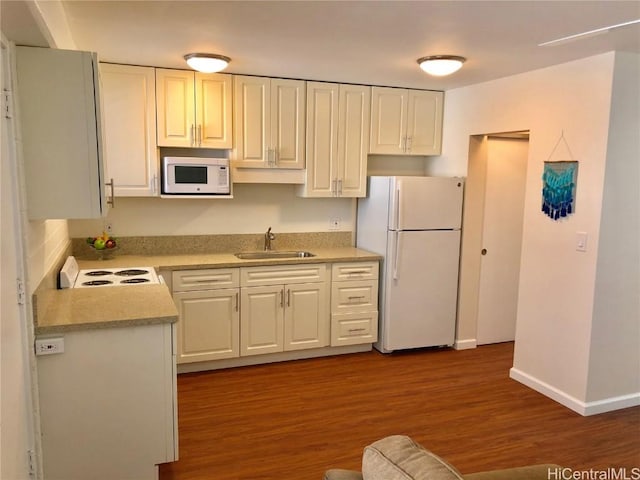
465,344
583,408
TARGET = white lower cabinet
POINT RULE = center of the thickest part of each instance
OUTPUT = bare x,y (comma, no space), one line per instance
208,303
354,303
231,313
108,404
283,308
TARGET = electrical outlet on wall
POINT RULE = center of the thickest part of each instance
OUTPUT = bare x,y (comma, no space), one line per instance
108,227
334,223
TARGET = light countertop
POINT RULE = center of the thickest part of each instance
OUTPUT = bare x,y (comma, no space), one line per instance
59,311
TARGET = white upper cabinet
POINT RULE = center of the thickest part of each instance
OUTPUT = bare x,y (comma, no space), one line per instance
269,120
194,109
406,122
129,99
338,119
58,93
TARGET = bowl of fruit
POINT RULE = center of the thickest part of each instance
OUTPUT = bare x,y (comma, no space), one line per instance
104,245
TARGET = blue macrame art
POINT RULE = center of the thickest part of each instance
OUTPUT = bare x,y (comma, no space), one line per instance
559,189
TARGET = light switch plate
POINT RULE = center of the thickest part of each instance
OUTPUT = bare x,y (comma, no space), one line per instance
581,241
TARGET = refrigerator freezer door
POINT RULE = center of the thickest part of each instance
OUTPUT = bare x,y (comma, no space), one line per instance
420,290
425,203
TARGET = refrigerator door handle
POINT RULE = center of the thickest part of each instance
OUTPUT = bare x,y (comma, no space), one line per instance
396,258
398,209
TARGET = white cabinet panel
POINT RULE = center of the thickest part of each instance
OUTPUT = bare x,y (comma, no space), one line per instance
209,324
338,122
406,122
262,320
269,119
129,98
61,125
194,109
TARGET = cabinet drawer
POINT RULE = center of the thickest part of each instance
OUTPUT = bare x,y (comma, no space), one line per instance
206,279
354,328
281,274
354,296
354,271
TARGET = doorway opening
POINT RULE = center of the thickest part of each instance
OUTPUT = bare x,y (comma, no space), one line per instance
492,235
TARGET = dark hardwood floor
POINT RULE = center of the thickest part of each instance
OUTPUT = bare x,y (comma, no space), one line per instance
294,420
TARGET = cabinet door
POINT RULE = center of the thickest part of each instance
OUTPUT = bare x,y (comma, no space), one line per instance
261,320
175,108
62,143
424,122
129,99
251,117
287,122
322,136
213,97
208,328
306,319
388,120
353,140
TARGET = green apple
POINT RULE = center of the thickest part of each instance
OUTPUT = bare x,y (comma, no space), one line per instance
99,244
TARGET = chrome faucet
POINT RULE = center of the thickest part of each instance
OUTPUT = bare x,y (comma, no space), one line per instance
268,237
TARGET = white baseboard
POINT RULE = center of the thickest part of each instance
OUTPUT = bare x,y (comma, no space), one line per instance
465,344
583,408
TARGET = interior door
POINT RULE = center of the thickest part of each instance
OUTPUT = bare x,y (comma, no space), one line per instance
501,240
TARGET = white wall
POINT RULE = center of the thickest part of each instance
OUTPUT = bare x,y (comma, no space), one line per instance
557,283
254,208
614,360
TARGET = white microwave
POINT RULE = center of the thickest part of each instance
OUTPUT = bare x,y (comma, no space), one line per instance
195,176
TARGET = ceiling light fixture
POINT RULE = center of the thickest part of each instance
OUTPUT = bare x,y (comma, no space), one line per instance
441,65
207,62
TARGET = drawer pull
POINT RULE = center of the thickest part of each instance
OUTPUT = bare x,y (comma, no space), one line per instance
357,272
359,297
354,330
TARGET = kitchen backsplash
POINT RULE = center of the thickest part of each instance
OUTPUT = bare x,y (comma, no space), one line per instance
197,244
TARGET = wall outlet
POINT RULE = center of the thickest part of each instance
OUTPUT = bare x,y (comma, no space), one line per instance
108,227
49,346
334,223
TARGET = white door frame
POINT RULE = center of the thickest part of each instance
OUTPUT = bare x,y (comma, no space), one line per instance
16,270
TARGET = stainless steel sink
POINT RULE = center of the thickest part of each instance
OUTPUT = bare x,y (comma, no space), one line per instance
266,254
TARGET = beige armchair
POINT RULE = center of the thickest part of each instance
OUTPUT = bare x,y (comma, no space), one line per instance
399,458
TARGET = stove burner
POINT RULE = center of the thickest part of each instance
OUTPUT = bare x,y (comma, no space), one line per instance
96,283
97,273
131,272
135,280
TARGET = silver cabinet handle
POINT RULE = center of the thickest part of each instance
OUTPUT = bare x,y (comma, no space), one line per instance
192,140
200,135
354,330
334,187
111,202
237,301
282,298
340,187
154,184
409,143
288,297
355,297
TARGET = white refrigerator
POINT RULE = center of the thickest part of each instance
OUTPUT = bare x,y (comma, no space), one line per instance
414,223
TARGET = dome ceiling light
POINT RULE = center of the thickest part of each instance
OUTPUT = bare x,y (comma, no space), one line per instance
207,62
441,65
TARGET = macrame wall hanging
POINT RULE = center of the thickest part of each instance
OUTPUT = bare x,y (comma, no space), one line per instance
559,181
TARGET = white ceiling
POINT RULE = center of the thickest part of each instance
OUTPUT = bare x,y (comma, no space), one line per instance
369,42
